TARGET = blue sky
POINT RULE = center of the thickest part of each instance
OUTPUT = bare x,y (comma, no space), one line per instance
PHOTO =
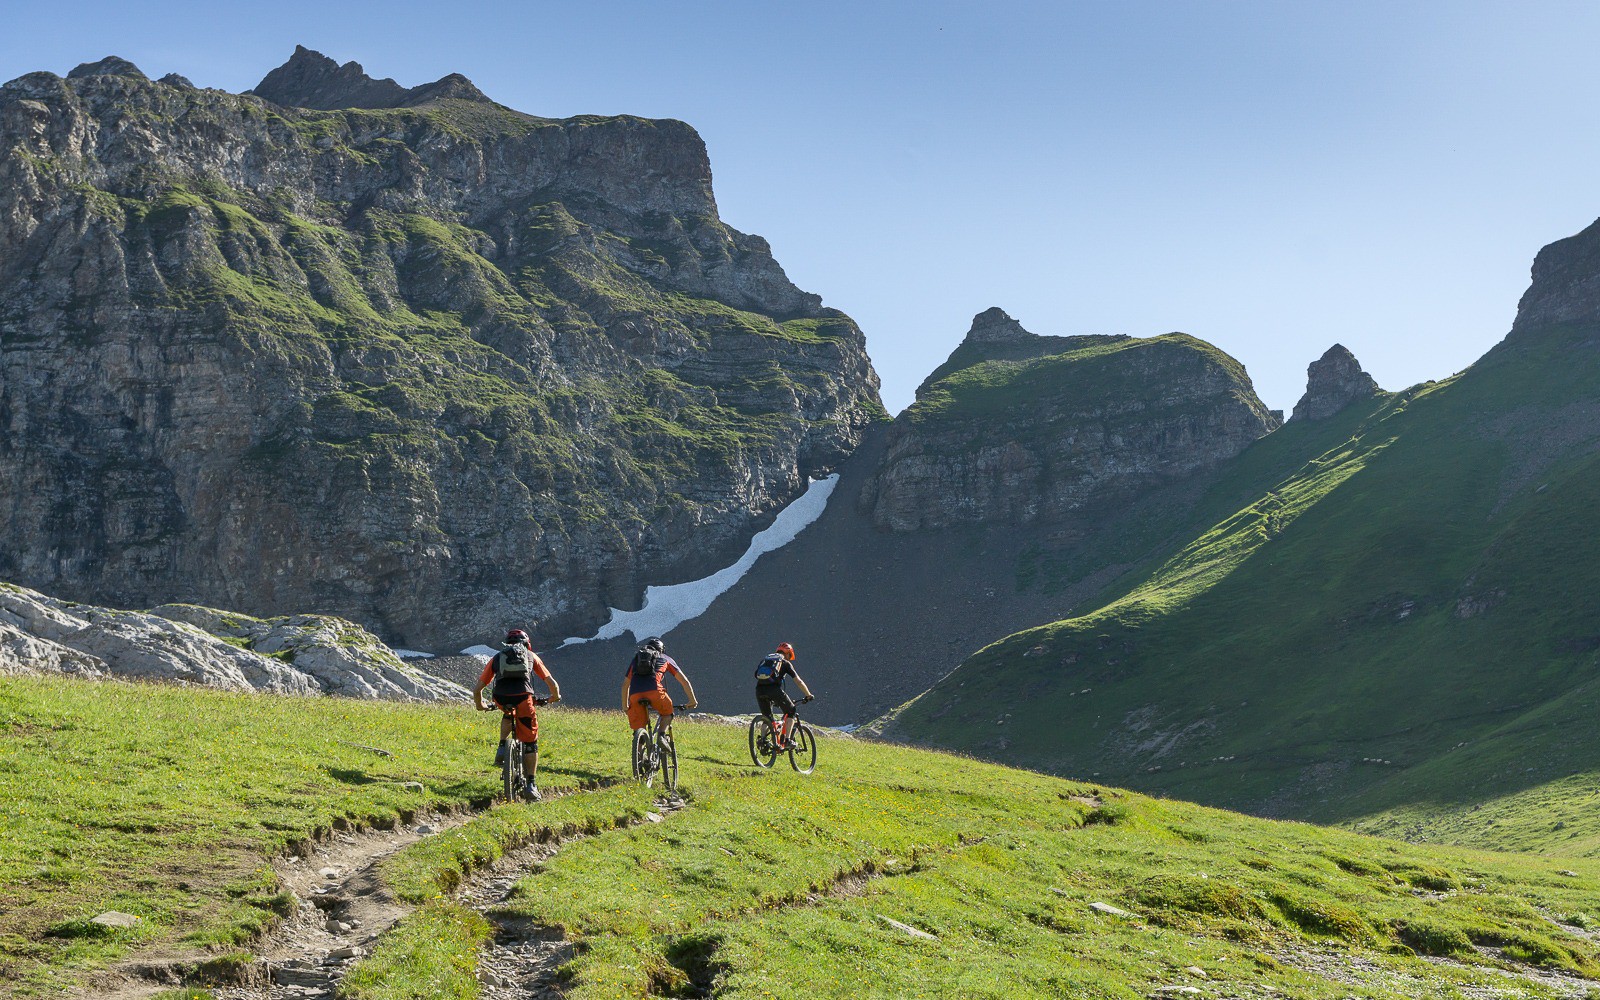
1271,177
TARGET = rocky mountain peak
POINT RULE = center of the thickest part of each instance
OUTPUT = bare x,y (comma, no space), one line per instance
995,326
312,80
1333,382
109,66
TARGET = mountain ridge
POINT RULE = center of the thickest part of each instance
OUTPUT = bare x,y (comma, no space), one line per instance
1407,577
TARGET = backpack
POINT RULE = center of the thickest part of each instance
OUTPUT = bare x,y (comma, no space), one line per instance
647,664
769,670
514,662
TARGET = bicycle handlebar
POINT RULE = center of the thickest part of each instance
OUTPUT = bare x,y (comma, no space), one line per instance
493,706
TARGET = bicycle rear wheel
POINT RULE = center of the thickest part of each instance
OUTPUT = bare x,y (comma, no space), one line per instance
763,742
668,752
803,749
641,752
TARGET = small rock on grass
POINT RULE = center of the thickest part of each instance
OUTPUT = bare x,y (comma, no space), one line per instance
114,918
906,929
1195,971
1175,991
1107,908
653,817
424,830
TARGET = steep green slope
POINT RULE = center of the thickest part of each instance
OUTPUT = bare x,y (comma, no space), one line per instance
763,882
1422,573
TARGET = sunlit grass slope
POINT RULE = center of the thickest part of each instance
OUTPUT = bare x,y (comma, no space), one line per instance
1403,616
168,804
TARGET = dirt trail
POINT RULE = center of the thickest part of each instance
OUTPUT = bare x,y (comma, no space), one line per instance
522,959
344,907
341,908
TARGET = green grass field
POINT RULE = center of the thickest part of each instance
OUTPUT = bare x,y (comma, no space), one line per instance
171,803
1388,618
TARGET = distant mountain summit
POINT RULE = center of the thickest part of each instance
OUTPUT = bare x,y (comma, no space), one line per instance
1020,428
312,80
1333,382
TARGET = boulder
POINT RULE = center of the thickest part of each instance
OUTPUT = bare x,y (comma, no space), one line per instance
303,654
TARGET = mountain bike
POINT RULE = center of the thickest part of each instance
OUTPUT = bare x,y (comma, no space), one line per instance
654,752
802,748
512,775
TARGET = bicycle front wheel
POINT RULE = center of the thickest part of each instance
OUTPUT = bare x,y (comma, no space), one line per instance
803,749
668,749
763,742
511,768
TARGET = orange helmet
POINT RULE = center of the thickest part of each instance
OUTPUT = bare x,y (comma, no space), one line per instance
787,651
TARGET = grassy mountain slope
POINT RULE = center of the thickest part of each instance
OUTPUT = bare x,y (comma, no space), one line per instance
168,803
1420,573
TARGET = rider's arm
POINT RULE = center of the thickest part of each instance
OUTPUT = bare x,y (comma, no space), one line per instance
483,681
801,685
688,689
549,680
624,693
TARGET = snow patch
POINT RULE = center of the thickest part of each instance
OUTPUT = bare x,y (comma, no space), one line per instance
412,654
665,608
479,651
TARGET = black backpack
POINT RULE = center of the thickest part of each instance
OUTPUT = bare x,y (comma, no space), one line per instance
647,664
514,662
770,669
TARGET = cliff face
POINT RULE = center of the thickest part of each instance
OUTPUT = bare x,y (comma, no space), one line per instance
435,368
1022,429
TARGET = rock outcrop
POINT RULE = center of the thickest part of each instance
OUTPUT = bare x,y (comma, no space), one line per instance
1565,286
1333,382
1021,429
307,654
311,80
436,368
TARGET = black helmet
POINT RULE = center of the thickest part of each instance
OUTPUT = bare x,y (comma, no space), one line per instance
516,635
654,644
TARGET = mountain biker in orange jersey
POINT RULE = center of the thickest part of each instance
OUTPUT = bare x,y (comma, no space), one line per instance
644,683
512,671
770,672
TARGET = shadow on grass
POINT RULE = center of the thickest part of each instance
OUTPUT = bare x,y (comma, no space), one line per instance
349,776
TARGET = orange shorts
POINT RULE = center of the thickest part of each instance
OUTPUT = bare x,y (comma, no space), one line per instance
527,721
658,700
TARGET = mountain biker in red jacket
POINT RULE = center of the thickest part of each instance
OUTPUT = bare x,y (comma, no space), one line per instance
512,671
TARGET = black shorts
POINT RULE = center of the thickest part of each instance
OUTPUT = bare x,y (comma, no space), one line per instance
778,696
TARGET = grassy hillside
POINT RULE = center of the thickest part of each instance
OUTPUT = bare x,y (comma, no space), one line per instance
1397,621
890,872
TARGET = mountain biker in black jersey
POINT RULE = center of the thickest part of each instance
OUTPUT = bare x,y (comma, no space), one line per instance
512,671
770,672
644,683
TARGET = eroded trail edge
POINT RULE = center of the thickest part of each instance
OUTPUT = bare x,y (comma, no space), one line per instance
521,961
